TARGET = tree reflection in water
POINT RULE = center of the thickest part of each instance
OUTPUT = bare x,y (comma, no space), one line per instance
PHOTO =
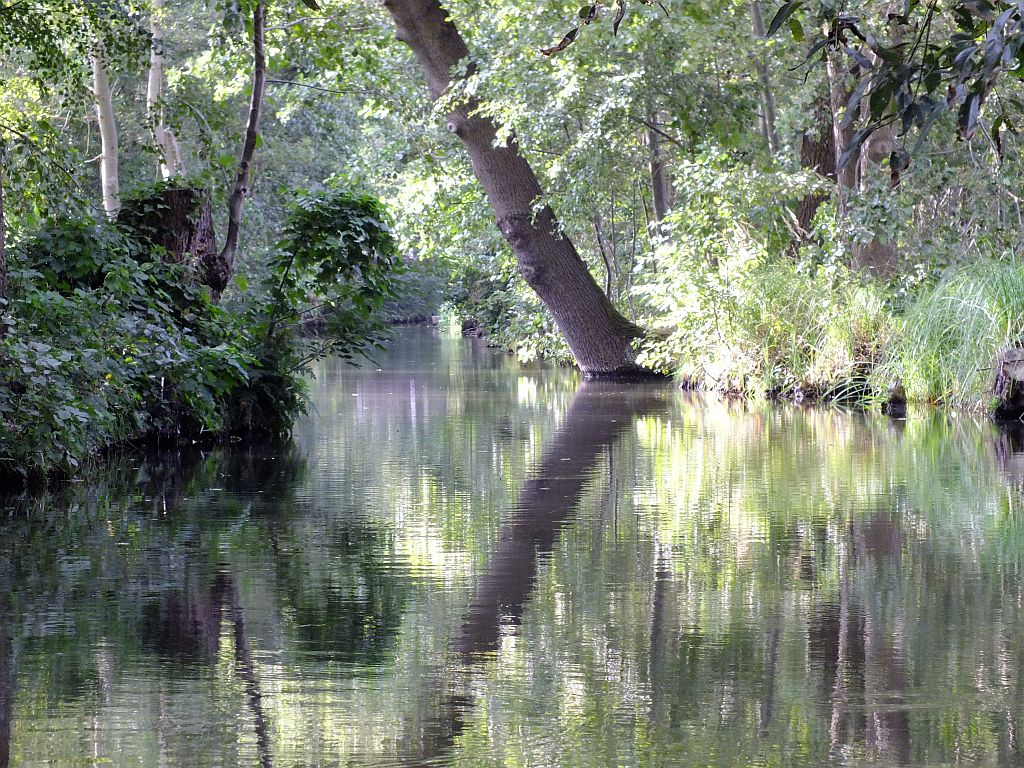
600,413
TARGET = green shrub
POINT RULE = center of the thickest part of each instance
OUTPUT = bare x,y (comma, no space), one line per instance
103,346
736,310
771,328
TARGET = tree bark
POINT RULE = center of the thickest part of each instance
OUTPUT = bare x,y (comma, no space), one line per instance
598,335
839,95
818,154
109,182
765,81
179,220
220,269
660,188
877,257
164,140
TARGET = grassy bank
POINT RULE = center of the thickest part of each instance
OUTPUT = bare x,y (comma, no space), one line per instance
761,325
785,330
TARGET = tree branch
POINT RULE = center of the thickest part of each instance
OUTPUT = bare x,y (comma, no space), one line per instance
656,129
322,88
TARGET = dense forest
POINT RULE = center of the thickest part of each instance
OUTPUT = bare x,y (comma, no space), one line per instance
812,200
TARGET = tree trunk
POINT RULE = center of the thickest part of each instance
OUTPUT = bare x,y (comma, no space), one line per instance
839,95
598,335
878,257
661,186
817,153
765,81
220,269
660,189
165,141
180,221
108,133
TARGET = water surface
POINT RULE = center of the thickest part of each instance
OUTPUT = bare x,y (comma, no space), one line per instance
466,562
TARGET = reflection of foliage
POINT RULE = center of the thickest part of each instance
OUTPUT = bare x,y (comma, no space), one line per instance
350,609
721,557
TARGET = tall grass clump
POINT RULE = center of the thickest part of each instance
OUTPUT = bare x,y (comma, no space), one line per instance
946,346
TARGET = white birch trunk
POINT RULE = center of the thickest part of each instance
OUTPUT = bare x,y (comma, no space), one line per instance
163,137
108,133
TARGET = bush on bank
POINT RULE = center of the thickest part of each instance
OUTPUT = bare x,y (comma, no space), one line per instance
734,307
107,344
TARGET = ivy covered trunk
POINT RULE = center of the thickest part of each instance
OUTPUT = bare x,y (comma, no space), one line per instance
178,220
600,338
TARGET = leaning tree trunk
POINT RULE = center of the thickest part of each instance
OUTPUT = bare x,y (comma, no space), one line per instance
600,338
221,267
163,137
109,182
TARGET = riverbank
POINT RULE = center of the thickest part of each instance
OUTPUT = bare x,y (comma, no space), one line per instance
784,333
108,338
788,331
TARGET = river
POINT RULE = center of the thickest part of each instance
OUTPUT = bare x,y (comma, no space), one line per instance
464,561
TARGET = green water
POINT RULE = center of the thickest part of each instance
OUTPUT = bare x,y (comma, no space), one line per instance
465,562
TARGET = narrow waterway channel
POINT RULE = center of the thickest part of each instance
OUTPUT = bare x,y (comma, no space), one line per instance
463,561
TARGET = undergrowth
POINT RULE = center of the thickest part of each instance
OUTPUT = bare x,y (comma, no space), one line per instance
104,343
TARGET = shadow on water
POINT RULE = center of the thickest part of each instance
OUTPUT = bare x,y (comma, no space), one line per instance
599,414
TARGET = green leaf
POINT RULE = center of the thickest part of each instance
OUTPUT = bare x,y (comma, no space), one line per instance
796,29
852,105
967,119
780,17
